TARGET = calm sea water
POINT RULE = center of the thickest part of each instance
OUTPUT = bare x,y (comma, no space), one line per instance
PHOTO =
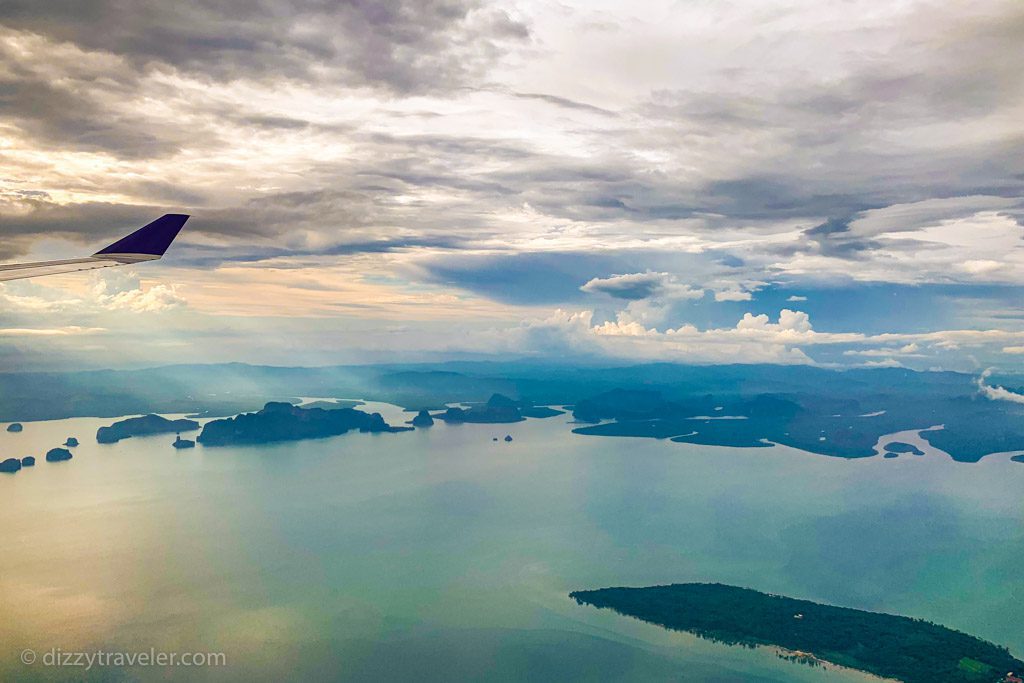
442,555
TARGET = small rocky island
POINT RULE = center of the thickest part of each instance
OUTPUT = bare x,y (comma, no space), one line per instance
28,461
14,427
143,426
181,443
58,455
422,419
911,650
10,465
71,442
285,422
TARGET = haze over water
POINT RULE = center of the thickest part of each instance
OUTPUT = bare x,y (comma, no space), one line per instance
441,554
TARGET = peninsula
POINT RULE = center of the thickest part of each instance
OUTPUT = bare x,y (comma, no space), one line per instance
911,650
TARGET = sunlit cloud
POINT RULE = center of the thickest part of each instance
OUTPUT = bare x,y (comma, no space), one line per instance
49,332
996,393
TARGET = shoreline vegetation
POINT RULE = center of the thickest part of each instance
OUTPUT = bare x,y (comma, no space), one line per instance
885,645
828,412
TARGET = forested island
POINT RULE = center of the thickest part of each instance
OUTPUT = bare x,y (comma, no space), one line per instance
498,409
143,426
422,419
286,422
911,650
896,447
58,455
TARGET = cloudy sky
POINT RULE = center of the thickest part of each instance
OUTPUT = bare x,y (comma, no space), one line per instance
829,182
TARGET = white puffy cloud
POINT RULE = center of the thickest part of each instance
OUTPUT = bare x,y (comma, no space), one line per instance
996,393
733,295
123,291
156,298
754,339
625,338
908,350
884,363
637,286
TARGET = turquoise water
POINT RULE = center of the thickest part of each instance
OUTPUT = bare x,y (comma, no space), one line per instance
442,555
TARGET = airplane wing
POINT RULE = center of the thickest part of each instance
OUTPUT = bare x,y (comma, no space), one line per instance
145,244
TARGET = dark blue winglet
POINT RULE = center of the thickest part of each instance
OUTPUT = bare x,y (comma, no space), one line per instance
150,240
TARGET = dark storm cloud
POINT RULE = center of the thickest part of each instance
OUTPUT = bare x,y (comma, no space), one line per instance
60,98
834,238
403,45
278,224
94,100
821,147
277,215
200,256
280,218
74,119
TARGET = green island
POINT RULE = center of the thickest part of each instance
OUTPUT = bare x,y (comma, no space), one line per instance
143,426
497,410
280,421
900,447
910,650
